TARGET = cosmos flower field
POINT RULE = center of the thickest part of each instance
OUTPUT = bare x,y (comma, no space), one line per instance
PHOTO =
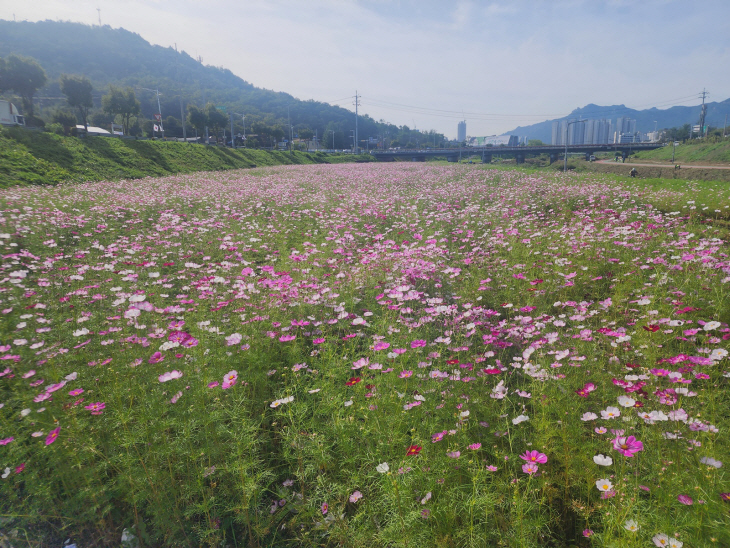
365,355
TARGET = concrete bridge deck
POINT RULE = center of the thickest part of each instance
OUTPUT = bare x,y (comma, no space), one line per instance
518,152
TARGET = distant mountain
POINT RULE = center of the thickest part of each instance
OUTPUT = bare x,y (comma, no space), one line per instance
665,118
117,56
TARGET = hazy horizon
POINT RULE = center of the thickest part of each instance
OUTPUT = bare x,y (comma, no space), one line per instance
497,64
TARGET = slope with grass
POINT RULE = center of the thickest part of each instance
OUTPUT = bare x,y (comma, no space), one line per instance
707,153
29,157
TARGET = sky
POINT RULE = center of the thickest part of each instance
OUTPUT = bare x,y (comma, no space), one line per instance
497,64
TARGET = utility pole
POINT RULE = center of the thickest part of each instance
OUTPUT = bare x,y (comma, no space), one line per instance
290,131
333,139
207,139
357,103
182,117
703,111
724,126
99,12
230,117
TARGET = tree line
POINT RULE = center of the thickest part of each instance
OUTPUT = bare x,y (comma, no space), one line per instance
120,105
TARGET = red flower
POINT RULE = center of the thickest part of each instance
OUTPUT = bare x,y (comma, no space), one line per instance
353,380
452,362
651,328
413,450
494,371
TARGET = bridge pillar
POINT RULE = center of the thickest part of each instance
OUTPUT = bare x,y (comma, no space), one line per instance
624,155
486,158
451,158
588,156
553,158
520,158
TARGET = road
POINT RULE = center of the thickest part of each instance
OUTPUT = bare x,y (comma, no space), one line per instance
684,166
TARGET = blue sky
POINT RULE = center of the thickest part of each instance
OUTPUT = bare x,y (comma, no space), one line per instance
503,63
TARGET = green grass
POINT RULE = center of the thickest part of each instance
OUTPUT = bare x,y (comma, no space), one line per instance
694,152
29,157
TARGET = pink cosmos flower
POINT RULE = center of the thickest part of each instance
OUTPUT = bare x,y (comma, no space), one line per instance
381,346
156,358
530,468
685,499
175,397
52,435
230,379
418,343
76,392
475,446
453,454
170,375
318,341
627,446
190,343
287,338
534,456
178,337
96,408
405,374
6,440
492,468
357,495
213,384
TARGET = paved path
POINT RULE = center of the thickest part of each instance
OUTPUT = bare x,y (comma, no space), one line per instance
611,163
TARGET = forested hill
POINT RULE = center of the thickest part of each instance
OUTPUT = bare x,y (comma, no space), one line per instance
117,56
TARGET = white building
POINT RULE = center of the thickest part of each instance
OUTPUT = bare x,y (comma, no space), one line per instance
461,132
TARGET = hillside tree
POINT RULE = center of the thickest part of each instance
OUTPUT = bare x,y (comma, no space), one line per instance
122,103
197,118
77,90
216,119
3,84
25,77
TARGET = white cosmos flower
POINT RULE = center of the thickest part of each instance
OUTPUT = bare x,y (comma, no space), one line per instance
602,460
6,473
521,418
383,467
604,485
709,461
709,326
588,416
625,401
610,413
348,403
631,525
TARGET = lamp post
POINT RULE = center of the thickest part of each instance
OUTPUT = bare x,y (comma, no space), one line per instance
243,120
567,127
159,109
333,139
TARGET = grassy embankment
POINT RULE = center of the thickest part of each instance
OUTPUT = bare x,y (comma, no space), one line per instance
28,157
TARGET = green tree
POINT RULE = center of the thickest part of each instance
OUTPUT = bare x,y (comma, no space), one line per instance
66,118
216,119
24,76
77,90
122,103
197,118
535,143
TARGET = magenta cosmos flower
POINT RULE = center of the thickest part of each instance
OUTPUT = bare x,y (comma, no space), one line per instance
96,408
534,456
157,357
52,435
627,446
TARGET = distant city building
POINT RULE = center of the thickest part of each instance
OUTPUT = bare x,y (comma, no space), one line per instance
583,132
461,132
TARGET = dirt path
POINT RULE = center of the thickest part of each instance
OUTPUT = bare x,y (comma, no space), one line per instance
688,166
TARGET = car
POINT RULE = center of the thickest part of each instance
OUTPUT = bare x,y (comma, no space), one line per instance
592,158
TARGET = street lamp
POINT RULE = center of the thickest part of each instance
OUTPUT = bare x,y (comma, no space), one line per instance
567,126
243,119
159,109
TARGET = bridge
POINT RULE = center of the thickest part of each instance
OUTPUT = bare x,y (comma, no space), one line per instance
518,152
